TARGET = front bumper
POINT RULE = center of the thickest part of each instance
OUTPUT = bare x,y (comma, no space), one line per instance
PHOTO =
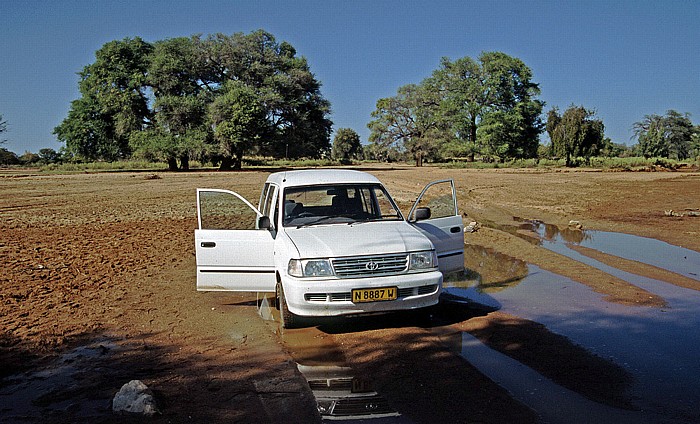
331,297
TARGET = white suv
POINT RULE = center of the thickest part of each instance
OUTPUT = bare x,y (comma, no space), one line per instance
329,242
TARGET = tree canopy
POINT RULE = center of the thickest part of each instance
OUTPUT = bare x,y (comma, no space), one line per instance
671,136
346,145
216,97
486,106
575,133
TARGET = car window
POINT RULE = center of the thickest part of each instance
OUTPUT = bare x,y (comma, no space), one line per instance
224,211
344,203
439,198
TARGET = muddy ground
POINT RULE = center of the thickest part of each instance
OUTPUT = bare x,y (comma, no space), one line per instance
97,287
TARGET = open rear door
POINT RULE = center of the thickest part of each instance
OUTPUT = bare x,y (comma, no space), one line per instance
444,226
233,254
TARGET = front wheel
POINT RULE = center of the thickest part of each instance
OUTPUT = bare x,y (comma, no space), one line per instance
289,320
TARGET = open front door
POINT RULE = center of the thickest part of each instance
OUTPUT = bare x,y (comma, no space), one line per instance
233,254
435,215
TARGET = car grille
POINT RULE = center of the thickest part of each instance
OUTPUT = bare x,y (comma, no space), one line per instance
366,266
365,405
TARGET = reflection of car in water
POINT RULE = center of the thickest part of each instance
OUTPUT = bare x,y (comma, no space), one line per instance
342,396
329,243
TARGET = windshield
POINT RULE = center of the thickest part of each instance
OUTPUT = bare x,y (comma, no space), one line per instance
336,204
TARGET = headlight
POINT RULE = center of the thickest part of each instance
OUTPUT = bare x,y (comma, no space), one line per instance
310,268
422,260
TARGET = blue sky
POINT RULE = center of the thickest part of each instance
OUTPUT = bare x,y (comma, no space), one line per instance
625,59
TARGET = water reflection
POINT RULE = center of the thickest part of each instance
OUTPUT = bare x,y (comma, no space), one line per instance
491,271
339,393
658,347
641,249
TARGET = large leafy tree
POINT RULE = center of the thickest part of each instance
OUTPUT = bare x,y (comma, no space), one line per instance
491,104
239,120
114,102
346,145
295,110
161,101
672,135
575,133
408,121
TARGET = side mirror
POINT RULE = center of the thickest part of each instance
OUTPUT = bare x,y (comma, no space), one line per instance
422,213
264,223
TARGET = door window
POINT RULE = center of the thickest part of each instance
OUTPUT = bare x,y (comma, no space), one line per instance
220,210
439,197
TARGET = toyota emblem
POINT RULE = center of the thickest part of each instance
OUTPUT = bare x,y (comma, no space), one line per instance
371,266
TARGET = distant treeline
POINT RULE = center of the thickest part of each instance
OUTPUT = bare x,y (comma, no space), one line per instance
217,99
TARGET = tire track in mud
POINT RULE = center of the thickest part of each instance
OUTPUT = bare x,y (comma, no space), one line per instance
639,268
615,289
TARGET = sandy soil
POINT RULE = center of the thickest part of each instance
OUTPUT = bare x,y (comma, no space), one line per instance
105,263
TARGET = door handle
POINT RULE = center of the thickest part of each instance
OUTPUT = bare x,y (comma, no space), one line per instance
454,230
208,244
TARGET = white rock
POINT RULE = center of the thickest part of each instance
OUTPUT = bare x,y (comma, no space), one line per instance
135,398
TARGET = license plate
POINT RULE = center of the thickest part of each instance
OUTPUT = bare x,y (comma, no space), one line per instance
374,295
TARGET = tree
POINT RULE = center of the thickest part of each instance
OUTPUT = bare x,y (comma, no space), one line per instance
179,129
239,120
7,157
113,104
48,156
680,134
29,158
3,128
669,136
408,121
490,104
156,100
295,110
346,145
575,133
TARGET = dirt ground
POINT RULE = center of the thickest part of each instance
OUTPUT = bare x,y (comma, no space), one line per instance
98,276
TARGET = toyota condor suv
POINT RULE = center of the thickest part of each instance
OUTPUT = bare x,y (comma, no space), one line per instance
329,243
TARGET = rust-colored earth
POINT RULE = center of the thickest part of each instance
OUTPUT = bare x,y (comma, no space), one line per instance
106,261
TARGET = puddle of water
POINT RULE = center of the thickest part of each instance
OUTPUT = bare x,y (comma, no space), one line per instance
339,393
553,403
641,249
491,270
658,347
40,394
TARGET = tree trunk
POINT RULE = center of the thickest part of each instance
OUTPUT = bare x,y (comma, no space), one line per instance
238,162
172,164
184,163
226,163
419,159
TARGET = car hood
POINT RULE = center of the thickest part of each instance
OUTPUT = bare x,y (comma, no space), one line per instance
369,238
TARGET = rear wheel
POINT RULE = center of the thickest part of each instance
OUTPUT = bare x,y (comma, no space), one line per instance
289,320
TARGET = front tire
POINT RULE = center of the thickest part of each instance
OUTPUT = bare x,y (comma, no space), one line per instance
289,320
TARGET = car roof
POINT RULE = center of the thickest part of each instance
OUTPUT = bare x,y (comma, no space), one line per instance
308,177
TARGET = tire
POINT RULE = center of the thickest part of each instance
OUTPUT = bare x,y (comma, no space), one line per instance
289,320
